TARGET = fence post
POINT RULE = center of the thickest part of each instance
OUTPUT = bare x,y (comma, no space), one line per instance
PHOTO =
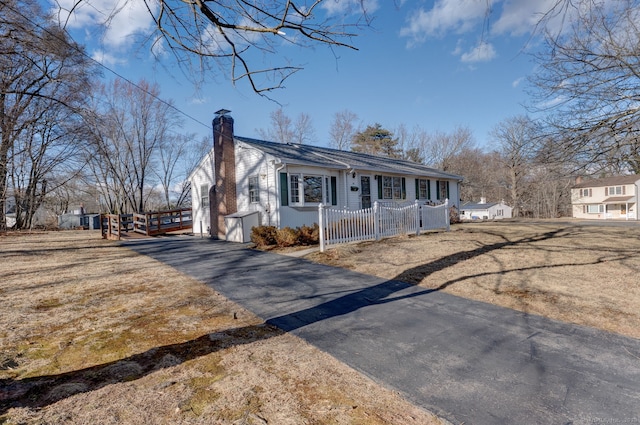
376,223
321,227
447,215
417,203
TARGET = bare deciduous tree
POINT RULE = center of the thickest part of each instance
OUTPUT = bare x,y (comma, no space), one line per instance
440,148
238,37
342,130
127,135
588,82
284,130
303,131
515,140
37,62
46,151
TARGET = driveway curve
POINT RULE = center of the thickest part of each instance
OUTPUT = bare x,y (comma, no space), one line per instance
467,361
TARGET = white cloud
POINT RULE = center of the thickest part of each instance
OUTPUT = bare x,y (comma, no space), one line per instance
483,52
520,17
106,58
459,16
517,82
342,7
119,20
499,17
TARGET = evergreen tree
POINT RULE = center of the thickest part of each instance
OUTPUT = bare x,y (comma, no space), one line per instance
375,140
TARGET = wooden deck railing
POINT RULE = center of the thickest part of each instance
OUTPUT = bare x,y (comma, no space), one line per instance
160,222
114,226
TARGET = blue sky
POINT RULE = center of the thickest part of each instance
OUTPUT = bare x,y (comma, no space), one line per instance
433,64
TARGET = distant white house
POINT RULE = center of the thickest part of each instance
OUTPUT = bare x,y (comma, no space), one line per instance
606,198
484,210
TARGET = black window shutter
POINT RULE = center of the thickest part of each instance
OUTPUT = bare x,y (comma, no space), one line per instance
379,187
606,191
623,189
437,189
417,189
334,190
429,189
404,188
284,190
448,196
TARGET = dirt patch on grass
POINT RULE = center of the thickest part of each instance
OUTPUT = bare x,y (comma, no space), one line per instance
589,275
91,332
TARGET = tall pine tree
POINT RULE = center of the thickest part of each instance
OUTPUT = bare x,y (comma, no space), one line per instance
375,140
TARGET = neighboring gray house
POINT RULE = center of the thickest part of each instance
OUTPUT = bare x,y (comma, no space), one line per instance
79,221
485,211
285,183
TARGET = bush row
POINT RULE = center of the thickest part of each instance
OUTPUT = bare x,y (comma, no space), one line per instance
285,237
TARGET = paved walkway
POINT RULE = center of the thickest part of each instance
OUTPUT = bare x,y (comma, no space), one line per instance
469,362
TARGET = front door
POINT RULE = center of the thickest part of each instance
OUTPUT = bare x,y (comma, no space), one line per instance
365,191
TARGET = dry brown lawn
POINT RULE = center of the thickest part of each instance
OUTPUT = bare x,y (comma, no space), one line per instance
93,333
584,274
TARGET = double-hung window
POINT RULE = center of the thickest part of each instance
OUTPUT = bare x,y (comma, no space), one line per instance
204,195
614,190
392,187
422,189
442,189
254,190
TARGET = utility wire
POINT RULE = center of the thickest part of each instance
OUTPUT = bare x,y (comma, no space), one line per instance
100,64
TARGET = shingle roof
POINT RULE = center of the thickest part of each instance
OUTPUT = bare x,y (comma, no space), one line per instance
317,156
477,205
608,181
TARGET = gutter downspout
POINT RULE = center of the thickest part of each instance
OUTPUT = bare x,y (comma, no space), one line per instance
277,167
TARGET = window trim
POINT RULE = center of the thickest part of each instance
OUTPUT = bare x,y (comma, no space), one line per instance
598,207
254,192
617,190
398,186
204,196
427,189
296,195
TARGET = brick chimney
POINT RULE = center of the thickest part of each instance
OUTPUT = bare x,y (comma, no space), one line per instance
223,194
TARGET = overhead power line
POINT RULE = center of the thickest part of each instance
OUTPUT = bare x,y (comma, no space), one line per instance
100,64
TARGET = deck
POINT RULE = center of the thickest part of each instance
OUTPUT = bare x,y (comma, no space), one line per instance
117,226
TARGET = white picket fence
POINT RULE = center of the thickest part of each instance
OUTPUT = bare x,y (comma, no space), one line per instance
383,220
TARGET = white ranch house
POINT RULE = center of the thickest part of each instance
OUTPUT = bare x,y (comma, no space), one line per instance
484,210
606,198
282,184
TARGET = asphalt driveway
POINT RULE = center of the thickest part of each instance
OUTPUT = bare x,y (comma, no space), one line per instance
467,361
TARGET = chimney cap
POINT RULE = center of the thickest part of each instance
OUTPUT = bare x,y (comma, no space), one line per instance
222,112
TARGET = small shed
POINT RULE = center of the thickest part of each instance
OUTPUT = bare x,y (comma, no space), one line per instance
484,210
238,225
79,221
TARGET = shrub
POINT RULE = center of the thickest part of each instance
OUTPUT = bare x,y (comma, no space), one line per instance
309,235
454,216
264,235
286,237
